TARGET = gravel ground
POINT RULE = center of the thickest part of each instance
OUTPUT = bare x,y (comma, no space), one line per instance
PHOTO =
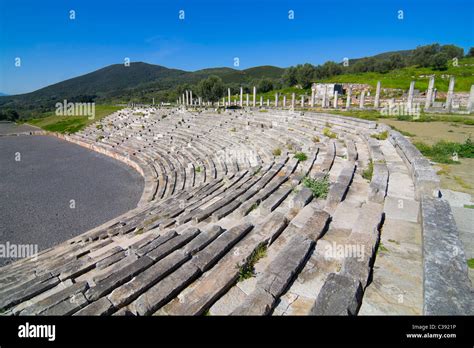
36,192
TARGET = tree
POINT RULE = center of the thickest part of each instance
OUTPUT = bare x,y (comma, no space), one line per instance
396,61
9,115
439,61
211,89
289,77
471,52
452,51
305,75
265,85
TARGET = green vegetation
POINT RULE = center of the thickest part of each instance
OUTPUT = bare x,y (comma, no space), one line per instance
72,124
369,171
253,207
316,140
469,206
140,82
380,136
470,263
381,248
301,156
319,187
327,132
197,169
247,270
276,152
445,152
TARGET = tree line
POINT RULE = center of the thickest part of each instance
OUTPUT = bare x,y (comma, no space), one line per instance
435,56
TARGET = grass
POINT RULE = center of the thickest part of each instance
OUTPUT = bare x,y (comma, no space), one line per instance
327,132
71,124
405,133
197,169
380,136
276,152
462,183
400,78
247,270
445,151
319,187
369,171
301,156
469,206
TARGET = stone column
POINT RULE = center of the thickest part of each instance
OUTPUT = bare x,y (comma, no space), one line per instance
470,102
241,97
323,102
410,95
199,99
349,95
435,93
228,95
247,101
293,100
261,100
191,97
429,93
268,102
311,103
223,101
335,99
449,97
276,100
362,100
254,96
284,101
187,98
302,101
377,96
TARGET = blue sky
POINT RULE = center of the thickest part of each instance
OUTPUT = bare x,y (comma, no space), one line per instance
53,48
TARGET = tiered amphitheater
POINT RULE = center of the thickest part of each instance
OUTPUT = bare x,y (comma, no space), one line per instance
220,202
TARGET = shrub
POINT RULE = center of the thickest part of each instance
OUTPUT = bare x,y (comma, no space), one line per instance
301,156
316,140
319,187
197,169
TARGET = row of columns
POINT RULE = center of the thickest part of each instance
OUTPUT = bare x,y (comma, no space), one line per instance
187,97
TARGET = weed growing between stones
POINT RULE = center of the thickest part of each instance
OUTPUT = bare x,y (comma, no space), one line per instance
369,171
327,132
319,187
276,152
470,263
247,270
301,156
380,136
